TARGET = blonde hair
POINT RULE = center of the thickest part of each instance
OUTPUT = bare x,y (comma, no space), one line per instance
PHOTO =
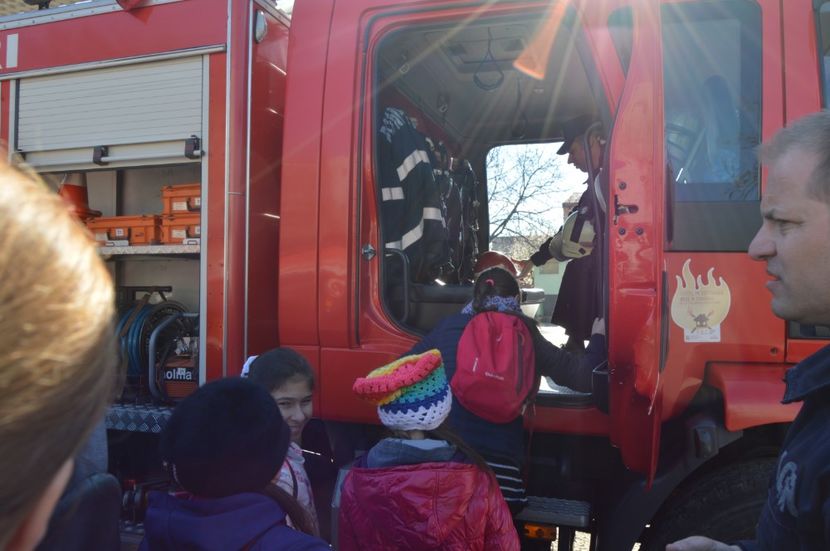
57,354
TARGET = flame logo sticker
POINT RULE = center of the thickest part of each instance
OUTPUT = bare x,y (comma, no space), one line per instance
699,308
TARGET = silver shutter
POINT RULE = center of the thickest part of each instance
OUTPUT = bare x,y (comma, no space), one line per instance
142,114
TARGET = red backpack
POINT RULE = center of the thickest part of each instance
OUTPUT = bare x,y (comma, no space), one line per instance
495,367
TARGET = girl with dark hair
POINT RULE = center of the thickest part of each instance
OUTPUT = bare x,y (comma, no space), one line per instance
288,377
502,444
497,288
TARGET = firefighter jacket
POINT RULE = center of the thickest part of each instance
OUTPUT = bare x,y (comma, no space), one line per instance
797,512
411,206
419,506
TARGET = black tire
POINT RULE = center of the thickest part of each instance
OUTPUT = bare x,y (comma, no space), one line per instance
723,504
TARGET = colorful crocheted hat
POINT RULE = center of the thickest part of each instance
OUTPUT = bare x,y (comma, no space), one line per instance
411,393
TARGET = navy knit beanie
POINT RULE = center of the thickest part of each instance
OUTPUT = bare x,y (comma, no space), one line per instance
226,438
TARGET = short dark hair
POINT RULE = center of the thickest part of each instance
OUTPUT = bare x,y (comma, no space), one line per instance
272,369
810,133
226,438
493,282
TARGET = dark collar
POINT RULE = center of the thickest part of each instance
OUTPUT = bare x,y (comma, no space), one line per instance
808,376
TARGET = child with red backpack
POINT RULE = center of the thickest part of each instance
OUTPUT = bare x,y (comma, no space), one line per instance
495,356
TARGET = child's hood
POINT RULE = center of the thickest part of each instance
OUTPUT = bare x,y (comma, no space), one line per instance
209,524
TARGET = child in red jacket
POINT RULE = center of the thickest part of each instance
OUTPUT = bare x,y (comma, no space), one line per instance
421,488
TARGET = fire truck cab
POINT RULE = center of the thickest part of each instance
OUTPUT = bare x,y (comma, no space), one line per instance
685,420
320,232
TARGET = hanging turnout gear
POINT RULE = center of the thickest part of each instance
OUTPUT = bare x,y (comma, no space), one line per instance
412,219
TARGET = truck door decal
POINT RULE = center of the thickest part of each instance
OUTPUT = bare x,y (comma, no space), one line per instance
700,308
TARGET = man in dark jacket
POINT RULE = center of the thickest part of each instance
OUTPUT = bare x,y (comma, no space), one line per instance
793,241
577,303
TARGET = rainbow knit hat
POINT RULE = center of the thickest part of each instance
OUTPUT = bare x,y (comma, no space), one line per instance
411,393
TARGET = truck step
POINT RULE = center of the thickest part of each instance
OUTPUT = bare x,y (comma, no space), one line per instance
558,512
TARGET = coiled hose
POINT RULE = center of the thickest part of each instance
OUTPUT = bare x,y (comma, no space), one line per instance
135,341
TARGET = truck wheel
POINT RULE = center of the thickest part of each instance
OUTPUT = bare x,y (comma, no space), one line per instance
724,504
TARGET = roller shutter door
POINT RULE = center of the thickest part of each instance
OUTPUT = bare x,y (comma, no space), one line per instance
119,116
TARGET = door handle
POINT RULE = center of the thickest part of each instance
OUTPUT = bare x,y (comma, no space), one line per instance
368,251
621,208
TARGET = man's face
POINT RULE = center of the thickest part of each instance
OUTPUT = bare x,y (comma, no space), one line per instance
794,241
576,155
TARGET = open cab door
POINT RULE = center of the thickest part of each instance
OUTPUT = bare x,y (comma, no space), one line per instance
636,272
626,46
625,43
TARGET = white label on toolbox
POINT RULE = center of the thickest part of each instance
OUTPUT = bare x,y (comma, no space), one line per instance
179,234
179,205
101,236
119,232
197,230
197,202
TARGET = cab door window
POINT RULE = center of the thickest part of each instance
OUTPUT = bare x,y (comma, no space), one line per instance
712,104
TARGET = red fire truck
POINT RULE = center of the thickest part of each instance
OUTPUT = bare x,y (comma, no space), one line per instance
278,114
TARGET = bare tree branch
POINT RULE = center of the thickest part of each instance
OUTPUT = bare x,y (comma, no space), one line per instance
523,183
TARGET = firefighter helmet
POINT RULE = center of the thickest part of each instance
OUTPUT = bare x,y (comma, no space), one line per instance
495,259
575,239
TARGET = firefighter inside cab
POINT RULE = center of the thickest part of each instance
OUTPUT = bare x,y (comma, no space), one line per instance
579,300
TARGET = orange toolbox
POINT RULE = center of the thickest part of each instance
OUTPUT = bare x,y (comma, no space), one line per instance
181,199
179,376
144,229
178,227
